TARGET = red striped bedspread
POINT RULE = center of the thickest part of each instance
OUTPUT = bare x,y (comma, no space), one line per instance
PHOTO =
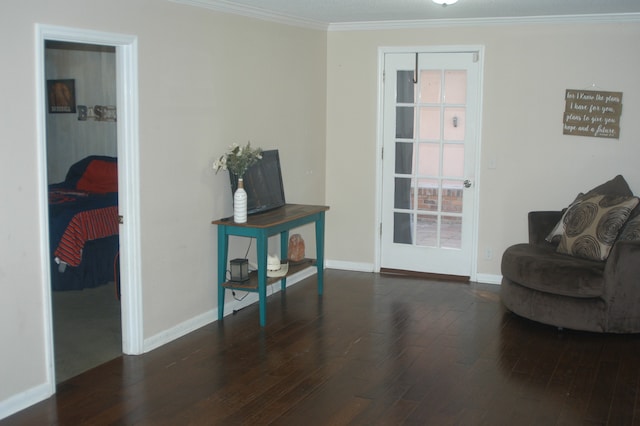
86,226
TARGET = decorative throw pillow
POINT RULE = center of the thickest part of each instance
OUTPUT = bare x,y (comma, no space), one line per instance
557,231
100,177
616,186
592,225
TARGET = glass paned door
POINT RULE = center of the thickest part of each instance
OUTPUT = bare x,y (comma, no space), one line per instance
428,198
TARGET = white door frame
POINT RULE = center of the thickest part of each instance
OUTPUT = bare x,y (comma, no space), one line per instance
382,51
128,181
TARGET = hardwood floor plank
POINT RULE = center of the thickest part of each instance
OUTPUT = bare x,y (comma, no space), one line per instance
625,394
599,404
373,350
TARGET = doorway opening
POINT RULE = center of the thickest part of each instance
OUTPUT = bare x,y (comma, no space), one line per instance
83,218
125,117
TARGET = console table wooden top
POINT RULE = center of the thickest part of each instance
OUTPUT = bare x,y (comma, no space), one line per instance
286,213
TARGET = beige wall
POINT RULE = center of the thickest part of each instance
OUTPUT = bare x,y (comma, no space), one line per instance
527,69
205,80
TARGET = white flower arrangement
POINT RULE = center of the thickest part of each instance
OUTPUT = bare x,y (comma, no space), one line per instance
238,159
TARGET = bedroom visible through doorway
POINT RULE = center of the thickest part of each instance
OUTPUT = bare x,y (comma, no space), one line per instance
82,180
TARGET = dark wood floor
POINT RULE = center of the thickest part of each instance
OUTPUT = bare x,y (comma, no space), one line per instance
373,350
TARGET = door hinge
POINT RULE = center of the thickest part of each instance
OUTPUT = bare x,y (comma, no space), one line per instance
120,219
380,229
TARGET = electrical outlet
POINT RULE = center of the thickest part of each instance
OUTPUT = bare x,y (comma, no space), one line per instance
488,253
493,163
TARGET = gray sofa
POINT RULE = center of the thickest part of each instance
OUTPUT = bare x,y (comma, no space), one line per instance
567,290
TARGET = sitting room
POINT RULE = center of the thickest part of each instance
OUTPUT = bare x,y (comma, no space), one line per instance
195,77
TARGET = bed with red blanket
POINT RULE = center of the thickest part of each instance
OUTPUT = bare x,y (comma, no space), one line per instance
83,225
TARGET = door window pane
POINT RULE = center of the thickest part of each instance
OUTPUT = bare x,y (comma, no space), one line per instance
402,228
404,158
455,86
454,123
404,122
430,123
405,93
452,193
429,159
430,86
427,230
451,232
453,160
403,193
427,192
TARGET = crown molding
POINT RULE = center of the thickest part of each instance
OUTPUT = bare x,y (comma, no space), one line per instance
227,6
616,18
254,12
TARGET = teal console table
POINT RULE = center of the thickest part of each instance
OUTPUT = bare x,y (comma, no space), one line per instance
261,227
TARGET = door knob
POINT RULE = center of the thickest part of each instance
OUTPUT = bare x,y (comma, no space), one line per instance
467,183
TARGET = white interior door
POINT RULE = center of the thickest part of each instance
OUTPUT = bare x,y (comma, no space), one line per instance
430,124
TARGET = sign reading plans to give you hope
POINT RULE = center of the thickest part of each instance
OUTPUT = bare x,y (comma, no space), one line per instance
592,113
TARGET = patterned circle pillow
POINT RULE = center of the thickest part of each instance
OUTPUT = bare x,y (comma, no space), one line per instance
591,225
556,233
616,186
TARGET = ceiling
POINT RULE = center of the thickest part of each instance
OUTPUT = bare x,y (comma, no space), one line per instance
327,12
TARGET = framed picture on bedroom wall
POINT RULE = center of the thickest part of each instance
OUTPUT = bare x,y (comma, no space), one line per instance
62,96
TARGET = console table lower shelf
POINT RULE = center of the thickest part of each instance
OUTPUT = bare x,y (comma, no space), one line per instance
252,283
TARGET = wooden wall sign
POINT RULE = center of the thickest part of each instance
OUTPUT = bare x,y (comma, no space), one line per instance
592,113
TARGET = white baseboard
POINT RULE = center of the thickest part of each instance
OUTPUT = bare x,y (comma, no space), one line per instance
208,317
349,266
22,400
489,278
179,330
369,267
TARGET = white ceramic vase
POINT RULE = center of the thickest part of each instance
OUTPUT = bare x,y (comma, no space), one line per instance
240,203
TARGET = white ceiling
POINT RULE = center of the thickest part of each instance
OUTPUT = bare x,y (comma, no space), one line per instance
326,12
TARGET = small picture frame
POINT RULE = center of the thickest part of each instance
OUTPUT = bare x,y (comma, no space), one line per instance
62,96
